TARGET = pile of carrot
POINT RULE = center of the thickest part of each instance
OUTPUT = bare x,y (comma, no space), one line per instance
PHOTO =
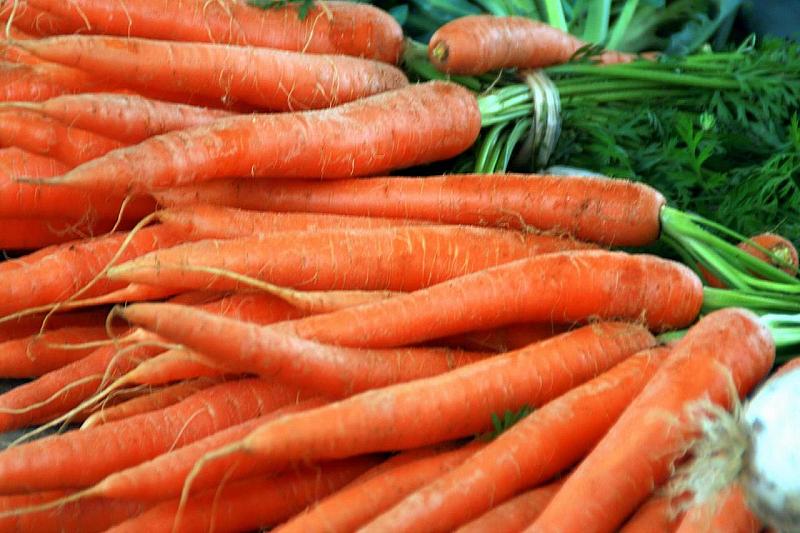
245,322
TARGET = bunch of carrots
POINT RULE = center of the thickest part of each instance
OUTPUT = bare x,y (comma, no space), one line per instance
255,326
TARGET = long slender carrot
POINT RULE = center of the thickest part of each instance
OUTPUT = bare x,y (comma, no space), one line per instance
560,287
214,222
728,347
163,476
33,356
607,211
430,122
431,410
32,324
60,461
55,273
395,259
175,365
125,117
36,21
546,442
331,28
658,514
35,233
267,79
329,370
513,515
355,505
477,44
505,338
86,516
727,513
42,135
33,83
158,399
251,503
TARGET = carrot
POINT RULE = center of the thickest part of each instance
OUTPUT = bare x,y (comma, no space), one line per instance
39,134
214,222
124,117
264,78
36,21
377,490
162,477
60,461
21,200
727,513
86,516
431,121
34,356
514,514
331,28
546,442
780,246
33,83
612,212
724,348
395,259
32,324
329,370
53,274
428,411
155,400
559,287
252,503
172,366
478,44
505,338
34,233
658,514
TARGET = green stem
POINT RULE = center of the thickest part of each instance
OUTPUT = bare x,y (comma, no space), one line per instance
758,302
597,20
554,14
621,25
636,73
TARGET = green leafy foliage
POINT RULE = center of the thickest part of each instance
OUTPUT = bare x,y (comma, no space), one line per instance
509,418
305,5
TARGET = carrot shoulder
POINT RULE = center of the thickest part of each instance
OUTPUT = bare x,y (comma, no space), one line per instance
728,346
429,122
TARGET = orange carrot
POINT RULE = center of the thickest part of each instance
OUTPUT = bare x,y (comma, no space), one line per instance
33,356
264,78
39,134
658,514
607,211
32,324
546,442
175,365
55,273
377,490
329,370
395,259
516,513
478,44
727,513
505,338
431,410
36,21
215,222
726,347
22,200
163,476
153,401
124,117
86,516
431,121
560,287
251,503
50,463
331,28
34,233
33,83
780,246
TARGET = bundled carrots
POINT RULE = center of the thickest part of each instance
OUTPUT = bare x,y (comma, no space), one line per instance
299,333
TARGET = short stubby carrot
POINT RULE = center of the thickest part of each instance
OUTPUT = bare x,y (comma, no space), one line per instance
551,439
124,117
37,133
270,80
330,370
347,28
561,287
725,349
262,501
780,246
394,259
477,44
607,211
50,463
429,122
431,410
514,514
